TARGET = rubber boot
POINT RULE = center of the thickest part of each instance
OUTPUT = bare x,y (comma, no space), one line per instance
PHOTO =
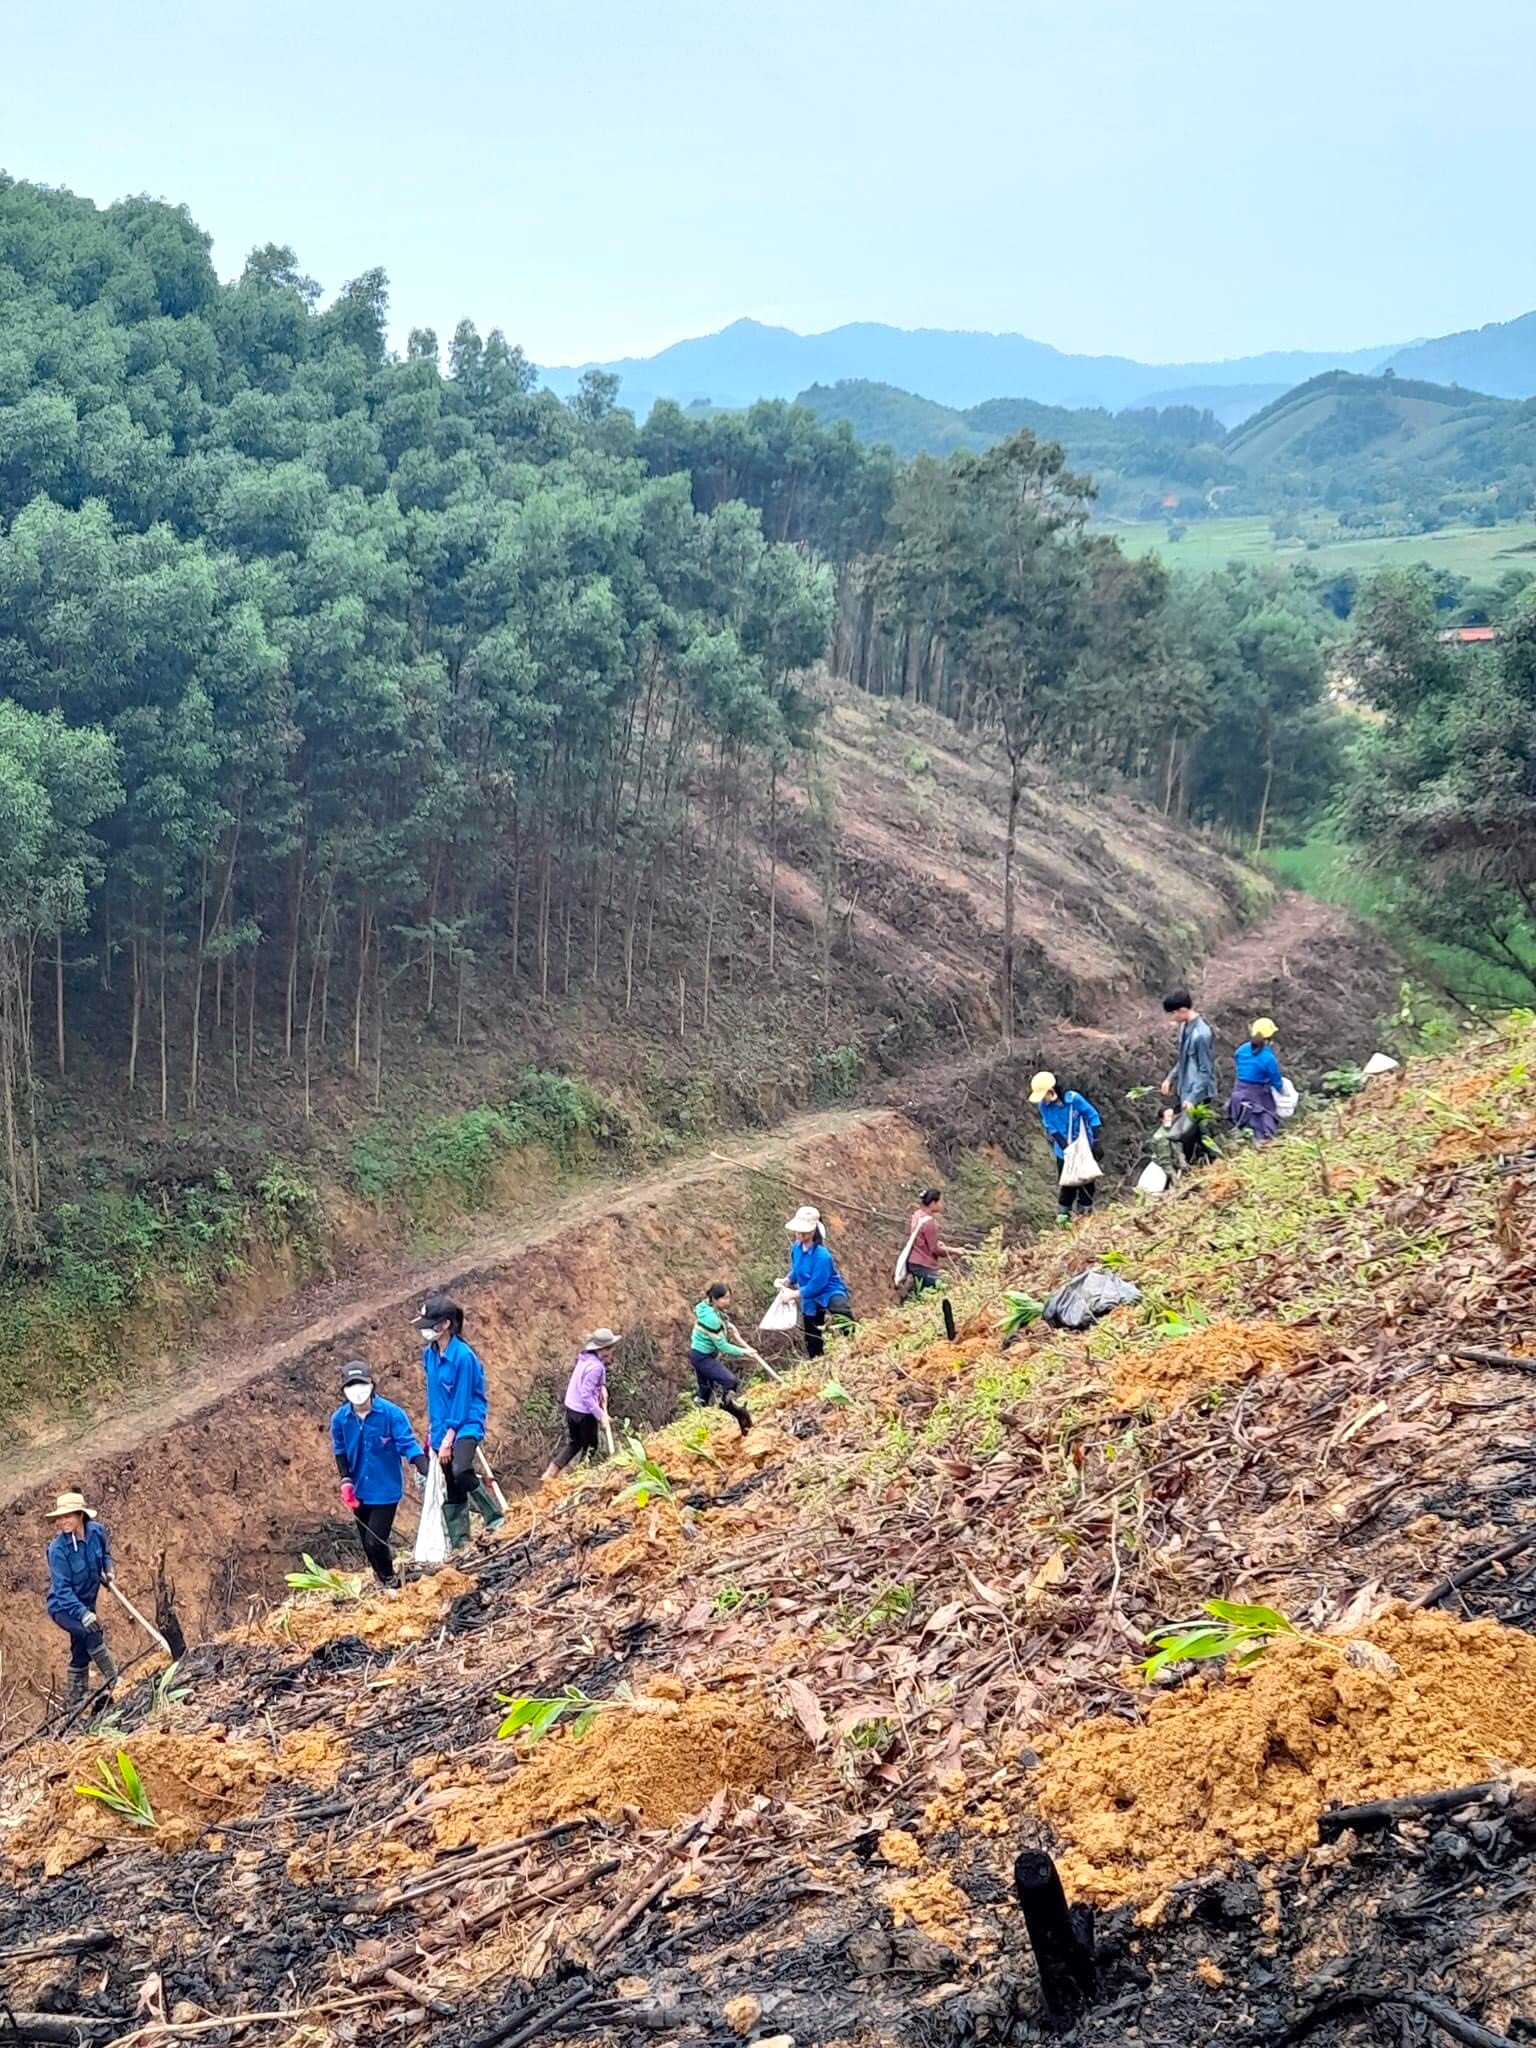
456,1522
103,1660
77,1678
483,1501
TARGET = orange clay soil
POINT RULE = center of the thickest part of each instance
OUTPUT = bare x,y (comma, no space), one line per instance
665,1757
1243,1766
194,1782
309,1619
1181,1368
934,1903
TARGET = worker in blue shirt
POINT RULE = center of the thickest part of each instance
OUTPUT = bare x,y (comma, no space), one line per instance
1251,1105
1063,1113
456,1414
372,1440
814,1279
79,1565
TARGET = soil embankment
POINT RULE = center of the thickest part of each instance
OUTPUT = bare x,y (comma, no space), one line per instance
227,1477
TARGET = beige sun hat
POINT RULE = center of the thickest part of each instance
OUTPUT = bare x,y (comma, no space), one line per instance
1040,1087
602,1340
70,1504
804,1221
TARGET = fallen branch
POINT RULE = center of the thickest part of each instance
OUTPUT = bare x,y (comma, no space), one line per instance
419,1995
1381,1813
176,2030
82,1944
481,1864
69,2028
514,2035
57,1723
629,1910
1475,1570
1471,2032
434,1941
1505,1359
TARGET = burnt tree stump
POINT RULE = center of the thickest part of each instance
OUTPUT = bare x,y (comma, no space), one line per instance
1060,1935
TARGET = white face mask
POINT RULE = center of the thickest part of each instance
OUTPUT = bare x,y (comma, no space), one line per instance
359,1393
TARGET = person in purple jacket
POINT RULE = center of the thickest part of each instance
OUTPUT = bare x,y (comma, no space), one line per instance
586,1400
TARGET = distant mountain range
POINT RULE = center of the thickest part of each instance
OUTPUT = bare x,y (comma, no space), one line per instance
749,360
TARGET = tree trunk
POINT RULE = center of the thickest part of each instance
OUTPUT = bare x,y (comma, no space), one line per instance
1269,783
58,998
773,862
1015,791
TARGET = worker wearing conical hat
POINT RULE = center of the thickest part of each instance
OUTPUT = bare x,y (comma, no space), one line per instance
79,1565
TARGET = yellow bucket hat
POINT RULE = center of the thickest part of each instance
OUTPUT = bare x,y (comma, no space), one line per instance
1040,1087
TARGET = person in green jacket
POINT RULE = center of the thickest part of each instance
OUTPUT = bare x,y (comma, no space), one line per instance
709,1347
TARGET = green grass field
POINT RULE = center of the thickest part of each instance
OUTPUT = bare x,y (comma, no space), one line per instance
1481,552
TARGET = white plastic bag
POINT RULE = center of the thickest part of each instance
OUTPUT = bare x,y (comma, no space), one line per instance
1152,1180
1078,1165
432,1534
1286,1099
782,1313
900,1273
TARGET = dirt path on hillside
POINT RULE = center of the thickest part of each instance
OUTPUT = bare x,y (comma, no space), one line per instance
324,1315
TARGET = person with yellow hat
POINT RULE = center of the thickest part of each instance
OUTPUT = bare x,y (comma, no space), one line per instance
1251,1105
79,1565
1063,1115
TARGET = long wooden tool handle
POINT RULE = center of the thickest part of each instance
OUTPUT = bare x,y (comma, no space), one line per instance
148,1627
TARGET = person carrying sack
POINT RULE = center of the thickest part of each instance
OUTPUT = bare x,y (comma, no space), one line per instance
919,1263
1071,1126
79,1565
708,1349
1191,1080
457,1406
371,1439
814,1281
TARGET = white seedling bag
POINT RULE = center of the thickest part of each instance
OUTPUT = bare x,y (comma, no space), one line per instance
432,1534
782,1313
1379,1063
1078,1165
1286,1099
1152,1180
900,1273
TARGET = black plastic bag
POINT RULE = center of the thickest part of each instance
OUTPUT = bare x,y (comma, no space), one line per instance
1079,1303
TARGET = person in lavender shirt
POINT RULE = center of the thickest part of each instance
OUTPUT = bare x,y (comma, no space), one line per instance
586,1400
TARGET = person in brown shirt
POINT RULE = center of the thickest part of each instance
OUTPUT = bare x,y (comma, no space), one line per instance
927,1249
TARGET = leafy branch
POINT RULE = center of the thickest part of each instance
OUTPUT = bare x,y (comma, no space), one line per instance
317,1578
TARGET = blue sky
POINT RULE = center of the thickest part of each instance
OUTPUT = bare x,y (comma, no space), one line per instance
1169,179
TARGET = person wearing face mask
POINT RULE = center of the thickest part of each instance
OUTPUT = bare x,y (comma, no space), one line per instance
372,1439
457,1406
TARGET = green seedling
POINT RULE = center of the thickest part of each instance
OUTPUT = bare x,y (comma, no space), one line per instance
696,1439
1342,1081
317,1578
731,1598
1241,1633
1022,1310
534,1715
894,1604
122,1792
650,1482
834,1391
167,1692
1139,1094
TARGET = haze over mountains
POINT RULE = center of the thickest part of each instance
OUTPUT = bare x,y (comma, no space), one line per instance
749,360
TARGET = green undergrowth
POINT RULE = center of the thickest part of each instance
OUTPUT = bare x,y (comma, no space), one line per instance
1325,1217
112,1256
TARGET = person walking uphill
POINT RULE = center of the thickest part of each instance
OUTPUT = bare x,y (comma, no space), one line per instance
456,1413
924,1247
1191,1080
708,1349
1064,1114
1251,1105
814,1278
586,1400
372,1439
79,1565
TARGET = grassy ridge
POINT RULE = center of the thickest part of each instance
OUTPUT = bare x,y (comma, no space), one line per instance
1482,552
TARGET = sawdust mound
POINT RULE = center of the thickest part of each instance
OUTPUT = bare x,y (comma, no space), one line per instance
1243,1766
1181,1368
666,1761
310,1619
195,1781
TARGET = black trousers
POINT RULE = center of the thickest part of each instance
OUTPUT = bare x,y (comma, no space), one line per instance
1080,1197
816,1324
373,1527
713,1376
581,1436
459,1477
922,1278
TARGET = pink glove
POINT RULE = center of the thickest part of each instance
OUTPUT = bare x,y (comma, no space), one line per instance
349,1497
